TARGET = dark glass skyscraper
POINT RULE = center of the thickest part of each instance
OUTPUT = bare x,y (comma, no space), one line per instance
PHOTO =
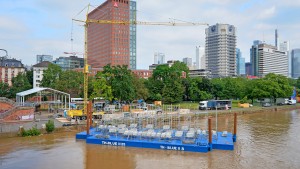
295,55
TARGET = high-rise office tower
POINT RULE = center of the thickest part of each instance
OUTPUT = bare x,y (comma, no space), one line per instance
240,63
276,39
132,16
267,59
203,62
188,62
254,57
200,52
159,58
113,44
248,68
295,57
220,50
284,46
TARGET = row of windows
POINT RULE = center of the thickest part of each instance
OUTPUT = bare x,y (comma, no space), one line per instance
121,1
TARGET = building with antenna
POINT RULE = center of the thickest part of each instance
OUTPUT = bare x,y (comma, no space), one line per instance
276,39
113,44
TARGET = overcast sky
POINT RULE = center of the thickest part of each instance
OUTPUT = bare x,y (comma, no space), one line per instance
31,27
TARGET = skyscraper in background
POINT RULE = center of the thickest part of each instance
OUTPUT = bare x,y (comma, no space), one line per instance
132,17
240,63
267,59
200,52
248,68
188,62
254,57
159,58
276,39
220,50
42,58
203,62
113,44
284,46
295,57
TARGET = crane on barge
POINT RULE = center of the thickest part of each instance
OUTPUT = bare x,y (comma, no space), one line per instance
88,21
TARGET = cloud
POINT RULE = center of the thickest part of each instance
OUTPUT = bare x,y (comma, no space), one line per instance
11,25
267,13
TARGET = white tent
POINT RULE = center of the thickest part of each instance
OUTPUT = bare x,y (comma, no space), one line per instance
57,96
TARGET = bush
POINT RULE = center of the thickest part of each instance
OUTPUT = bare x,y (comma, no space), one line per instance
31,132
50,126
244,100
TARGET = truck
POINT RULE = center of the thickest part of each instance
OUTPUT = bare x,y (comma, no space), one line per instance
77,112
292,102
282,101
215,104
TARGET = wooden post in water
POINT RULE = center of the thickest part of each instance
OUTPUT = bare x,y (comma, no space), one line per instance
88,118
209,134
234,127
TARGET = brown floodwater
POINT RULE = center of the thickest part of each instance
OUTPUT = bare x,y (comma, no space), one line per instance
265,140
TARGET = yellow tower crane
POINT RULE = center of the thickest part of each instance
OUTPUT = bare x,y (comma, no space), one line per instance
88,21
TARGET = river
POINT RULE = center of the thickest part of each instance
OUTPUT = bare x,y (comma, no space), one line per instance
265,140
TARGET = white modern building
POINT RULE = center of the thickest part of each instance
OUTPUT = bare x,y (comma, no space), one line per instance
220,50
200,52
271,60
38,71
159,58
203,62
284,46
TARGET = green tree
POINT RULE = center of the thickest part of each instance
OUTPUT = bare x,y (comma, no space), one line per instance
4,90
29,75
19,83
281,86
298,83
70,82
120,78
51,76
172,92
154,88
218,87
140,88
101,88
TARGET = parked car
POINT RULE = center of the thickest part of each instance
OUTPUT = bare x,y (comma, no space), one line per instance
266,105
